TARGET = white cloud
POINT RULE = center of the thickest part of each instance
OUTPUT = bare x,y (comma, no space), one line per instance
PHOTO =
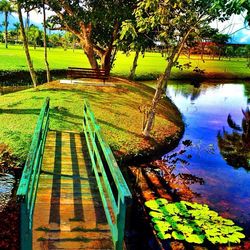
235,27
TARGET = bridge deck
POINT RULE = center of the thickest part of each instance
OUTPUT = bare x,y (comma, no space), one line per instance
68,210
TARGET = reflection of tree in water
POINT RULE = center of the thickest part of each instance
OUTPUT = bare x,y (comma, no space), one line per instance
157,179
235,146
192,90
247,92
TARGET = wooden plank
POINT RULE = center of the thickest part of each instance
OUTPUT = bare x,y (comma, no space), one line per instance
68,198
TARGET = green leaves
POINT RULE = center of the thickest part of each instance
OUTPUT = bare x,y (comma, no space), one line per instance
192,222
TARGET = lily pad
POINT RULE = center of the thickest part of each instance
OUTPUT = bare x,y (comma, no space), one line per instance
195,238
164,236
157,215
192,222
239,235
178,236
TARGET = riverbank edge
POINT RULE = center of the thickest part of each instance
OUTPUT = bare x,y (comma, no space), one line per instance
189,76
166,145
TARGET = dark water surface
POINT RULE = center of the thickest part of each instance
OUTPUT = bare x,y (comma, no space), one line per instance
11,89
7,182
205,110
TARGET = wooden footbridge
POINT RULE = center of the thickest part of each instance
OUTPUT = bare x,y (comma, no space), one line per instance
72,193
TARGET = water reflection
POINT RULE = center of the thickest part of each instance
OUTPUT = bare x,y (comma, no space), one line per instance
205,111
235,146
6,185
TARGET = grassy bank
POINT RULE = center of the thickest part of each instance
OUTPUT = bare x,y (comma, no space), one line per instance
116,109
149,66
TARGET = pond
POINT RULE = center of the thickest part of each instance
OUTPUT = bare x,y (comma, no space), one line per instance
205,111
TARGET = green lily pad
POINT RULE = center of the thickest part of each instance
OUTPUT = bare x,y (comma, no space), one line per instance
164,236
223,240
239,235
185,229
162,201
162,226
157,215
233,239
178,236
195,238
192,222
152,204
228,222
171,209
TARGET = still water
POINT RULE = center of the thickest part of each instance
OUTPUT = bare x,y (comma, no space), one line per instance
7,182
205,110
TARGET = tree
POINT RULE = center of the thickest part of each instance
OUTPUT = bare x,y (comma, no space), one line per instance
54,40
45,42
1,36
17,30
205,34
7,8
131,39
220,41
173,21
25,44
95,23
34,35
229,52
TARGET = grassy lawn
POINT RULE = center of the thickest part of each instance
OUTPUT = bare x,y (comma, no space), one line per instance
116,109
148,67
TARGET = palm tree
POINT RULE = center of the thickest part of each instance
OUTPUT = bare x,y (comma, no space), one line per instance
25,44
6,8
45,43
17,29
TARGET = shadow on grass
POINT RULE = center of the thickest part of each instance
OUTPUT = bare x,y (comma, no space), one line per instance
20,111
119,128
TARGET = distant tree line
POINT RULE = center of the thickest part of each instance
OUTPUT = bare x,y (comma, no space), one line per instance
35,37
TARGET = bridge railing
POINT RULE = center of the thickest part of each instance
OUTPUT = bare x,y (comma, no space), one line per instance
27,189
113,189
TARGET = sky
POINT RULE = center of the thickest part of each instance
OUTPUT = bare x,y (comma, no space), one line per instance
234,26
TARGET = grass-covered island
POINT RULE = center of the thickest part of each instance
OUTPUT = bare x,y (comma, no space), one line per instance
118,110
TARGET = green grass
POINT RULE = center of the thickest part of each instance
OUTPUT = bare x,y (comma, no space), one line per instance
116,109
150,66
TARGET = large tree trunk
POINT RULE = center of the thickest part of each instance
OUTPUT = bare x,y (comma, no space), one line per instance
6,28
26,47
88,49
132,72
106,60
45,44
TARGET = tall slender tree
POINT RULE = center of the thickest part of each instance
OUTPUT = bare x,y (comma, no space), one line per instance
25,44
17,30
130,39
7,8
45,42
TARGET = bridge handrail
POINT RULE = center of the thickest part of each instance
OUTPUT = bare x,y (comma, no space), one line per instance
104,163
27,189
